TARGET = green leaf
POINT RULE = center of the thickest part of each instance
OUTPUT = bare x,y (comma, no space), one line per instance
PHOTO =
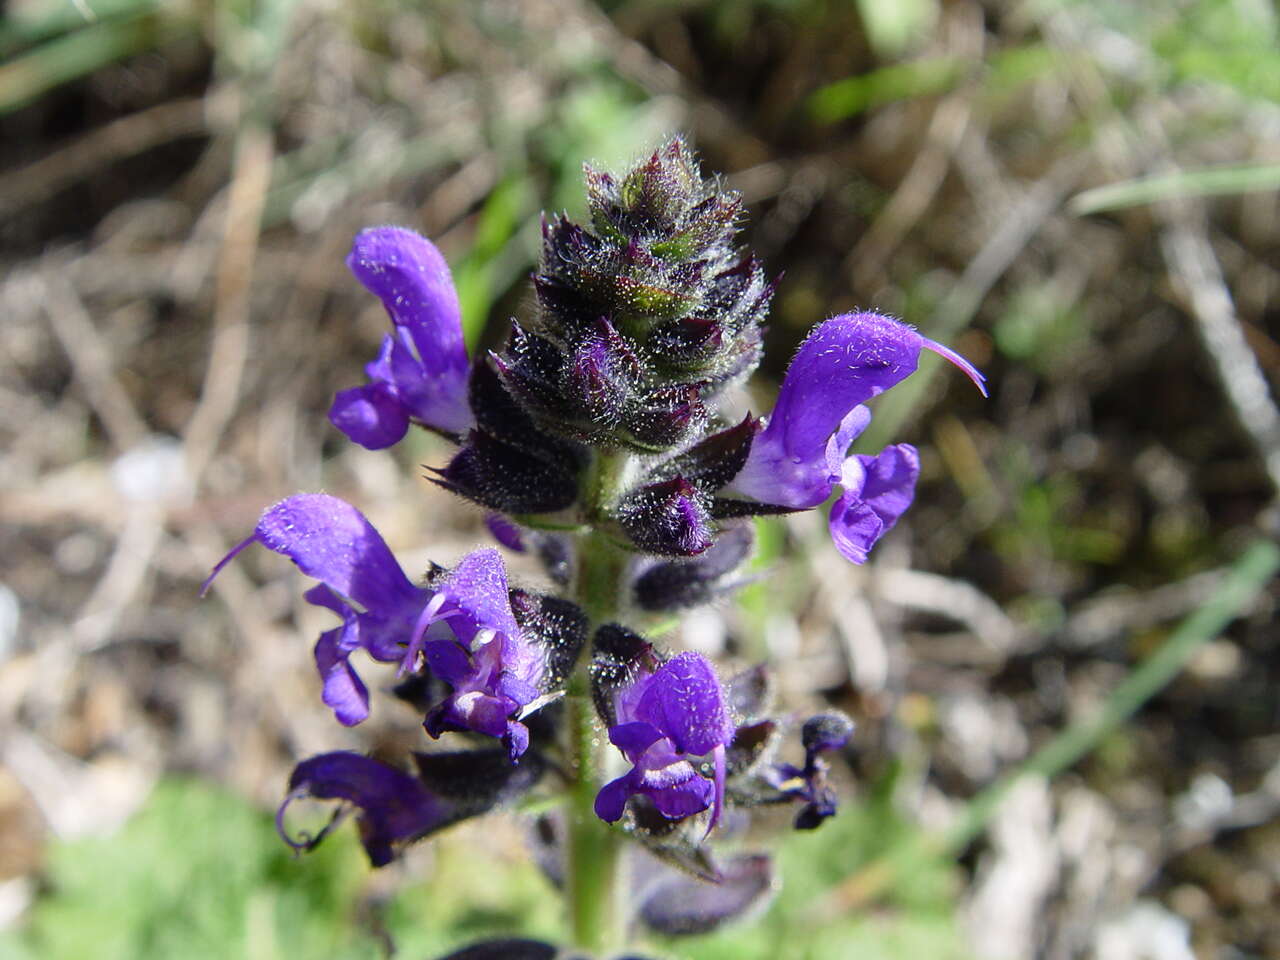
73,55
479,277
854,95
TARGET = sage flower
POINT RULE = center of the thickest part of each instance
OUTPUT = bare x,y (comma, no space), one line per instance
663,721
462,626
420,374
797,460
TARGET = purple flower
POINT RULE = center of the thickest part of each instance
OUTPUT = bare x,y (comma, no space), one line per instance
661,720
395,807
799,457
821,733
479,650
420,374
877,491
505,531
462,625
360,581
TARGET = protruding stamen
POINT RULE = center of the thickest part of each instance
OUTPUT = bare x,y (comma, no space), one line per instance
717,802
430,614
970,371
204,587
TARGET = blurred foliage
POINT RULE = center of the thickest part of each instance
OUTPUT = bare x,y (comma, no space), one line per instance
913,916
199,874
1232,42
47,45
196,874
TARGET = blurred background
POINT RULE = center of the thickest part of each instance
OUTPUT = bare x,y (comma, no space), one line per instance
1063,671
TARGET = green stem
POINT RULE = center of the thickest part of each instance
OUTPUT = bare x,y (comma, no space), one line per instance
594,882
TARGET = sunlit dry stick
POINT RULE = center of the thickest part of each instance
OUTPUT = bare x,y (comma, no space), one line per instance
230,345
91,359
1196,273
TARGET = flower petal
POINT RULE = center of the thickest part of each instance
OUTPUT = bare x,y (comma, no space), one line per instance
677,791
878,490
634,738
472,710
843,363
685,701
370,415
516,739
505,532
612,798
447,660
682,794
332,541
394,806
854,528
850,428
344,691
890,481
477,595
424,366
411,278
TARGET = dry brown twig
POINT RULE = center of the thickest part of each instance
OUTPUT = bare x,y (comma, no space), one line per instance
129,136
916,191
1197,275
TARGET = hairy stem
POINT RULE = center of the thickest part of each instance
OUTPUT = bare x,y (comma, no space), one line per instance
593,879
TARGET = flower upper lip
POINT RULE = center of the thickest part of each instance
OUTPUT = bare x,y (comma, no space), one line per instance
420,373
799,457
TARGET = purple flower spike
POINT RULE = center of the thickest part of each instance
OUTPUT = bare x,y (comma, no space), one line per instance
394,806
420,374
332,541
662,720
798,459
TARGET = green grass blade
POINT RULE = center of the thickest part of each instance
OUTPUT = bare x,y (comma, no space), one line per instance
1250,575
1211,182
486,268
29,25
28,77
900,81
